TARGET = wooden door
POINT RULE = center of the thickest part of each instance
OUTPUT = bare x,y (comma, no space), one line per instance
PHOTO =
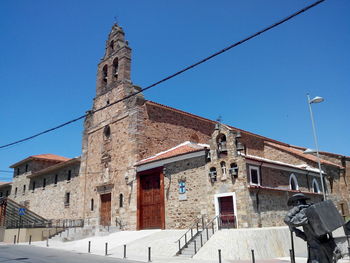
105,212
227,216
151,203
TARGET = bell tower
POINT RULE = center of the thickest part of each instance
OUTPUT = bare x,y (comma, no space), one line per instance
114,68
111,138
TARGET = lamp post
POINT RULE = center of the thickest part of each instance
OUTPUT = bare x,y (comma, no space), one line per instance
310,101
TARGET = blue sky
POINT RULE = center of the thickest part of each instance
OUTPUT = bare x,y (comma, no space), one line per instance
50,51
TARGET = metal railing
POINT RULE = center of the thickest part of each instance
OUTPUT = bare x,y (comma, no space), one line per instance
201,236
192,235
226,221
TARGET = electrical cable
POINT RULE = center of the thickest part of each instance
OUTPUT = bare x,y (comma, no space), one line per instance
171,76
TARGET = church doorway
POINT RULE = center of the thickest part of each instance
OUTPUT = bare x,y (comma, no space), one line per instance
225,210
151,200
105,212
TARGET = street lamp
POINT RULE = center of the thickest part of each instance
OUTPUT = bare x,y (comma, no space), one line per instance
309,102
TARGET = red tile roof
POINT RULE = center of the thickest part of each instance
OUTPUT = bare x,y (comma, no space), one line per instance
301,154
50,156
45,157
181,149
54,167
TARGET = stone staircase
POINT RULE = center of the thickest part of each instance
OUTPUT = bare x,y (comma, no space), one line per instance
76,233
196,243
197,235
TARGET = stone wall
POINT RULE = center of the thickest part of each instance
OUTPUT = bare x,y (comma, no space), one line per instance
49,201
182,210
164,128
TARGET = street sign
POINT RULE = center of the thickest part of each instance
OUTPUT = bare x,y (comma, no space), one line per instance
21,211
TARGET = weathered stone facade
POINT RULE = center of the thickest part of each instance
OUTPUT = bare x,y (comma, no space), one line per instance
43,188
258,174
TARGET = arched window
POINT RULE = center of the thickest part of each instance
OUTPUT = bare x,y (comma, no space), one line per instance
111,46
121,200
104,74
315,186
212,174
221,141
115,68
223,168
293,183
92,204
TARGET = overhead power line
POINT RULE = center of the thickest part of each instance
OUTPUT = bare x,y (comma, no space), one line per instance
4,171
173,75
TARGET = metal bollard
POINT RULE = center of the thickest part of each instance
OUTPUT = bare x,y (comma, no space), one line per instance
47,242
89,247
30,240
212,226
149,254
219,252
253,256
14,239
124,251
292,244
291,256
106,249
195,246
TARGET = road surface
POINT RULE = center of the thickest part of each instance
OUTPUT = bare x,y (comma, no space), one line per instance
32,254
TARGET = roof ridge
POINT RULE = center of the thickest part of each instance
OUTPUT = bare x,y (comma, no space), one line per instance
301,154
206,119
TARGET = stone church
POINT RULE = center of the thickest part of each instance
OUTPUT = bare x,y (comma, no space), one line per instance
146,165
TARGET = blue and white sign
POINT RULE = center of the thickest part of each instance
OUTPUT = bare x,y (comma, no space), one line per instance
182,187
21,211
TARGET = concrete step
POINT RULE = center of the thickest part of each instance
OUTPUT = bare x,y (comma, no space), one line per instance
189,251
77,233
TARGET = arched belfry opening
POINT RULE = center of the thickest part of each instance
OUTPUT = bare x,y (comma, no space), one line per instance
104,74
115,68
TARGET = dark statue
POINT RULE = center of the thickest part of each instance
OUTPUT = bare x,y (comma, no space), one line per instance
318,223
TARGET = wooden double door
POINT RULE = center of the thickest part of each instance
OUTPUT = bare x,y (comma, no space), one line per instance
151,201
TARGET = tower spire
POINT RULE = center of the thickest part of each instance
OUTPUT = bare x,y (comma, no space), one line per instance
114,68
